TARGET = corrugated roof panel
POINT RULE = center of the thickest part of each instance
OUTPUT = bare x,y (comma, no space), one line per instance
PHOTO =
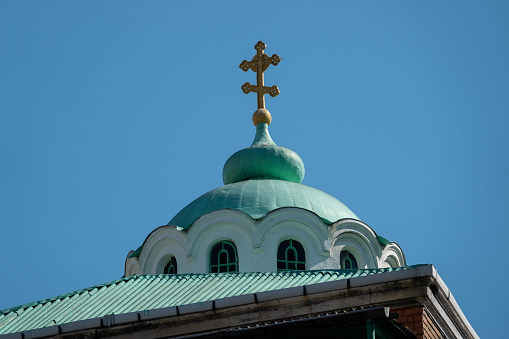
118,296
53,310
24,319
139,293
132,301
161,293
50,310
66,306
89,303
157,293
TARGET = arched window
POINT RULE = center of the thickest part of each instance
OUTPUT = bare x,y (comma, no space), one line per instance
348,261
223,258
171,266
291,256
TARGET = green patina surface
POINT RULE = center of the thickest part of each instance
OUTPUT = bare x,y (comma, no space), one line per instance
136,253
147,292
382,240
256,198
263,159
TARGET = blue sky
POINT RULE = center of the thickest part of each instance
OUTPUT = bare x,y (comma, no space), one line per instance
115,115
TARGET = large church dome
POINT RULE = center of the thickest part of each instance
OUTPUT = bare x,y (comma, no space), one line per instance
257,197
260,179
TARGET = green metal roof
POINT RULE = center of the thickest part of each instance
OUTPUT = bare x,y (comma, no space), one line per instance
258,197
148,292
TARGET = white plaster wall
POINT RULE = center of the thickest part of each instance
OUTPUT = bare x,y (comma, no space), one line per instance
257,243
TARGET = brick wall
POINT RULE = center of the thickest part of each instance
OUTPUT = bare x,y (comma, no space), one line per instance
419,321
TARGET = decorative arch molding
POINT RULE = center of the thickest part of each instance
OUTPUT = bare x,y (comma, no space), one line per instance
351,225
362,254
132,266
230,225
306,221
357,238
257,242
217,218
164,259
160,233
164,242
295,224
392,256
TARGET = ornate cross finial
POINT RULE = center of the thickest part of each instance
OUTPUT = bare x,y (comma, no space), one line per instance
259,64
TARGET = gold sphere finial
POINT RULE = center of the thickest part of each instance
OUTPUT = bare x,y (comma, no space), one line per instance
262,115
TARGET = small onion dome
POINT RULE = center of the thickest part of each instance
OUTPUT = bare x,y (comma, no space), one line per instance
263,160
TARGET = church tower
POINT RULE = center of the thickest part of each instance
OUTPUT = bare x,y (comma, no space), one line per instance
263,218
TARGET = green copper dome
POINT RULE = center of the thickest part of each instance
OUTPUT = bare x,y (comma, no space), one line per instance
263,160
260,179
256,198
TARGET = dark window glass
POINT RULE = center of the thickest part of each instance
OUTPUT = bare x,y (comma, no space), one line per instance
171,266
347,260
291,256
223,258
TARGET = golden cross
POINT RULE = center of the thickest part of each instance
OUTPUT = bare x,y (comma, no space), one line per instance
259,64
